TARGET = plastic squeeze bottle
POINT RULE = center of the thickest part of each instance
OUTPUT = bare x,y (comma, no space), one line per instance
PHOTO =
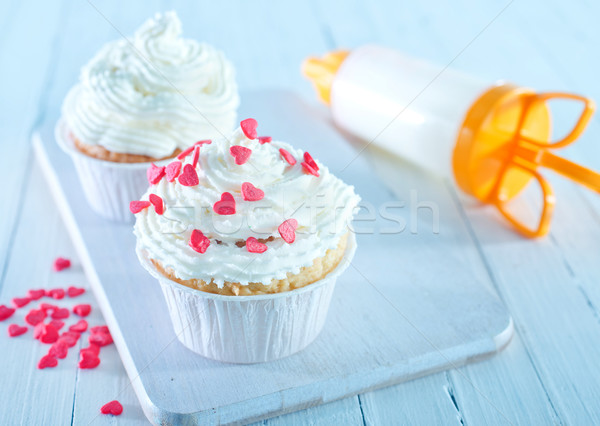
490,137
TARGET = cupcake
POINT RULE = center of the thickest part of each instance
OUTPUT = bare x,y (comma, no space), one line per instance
140,101
247,237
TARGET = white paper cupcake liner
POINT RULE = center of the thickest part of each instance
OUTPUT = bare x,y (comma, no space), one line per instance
108,186
249,329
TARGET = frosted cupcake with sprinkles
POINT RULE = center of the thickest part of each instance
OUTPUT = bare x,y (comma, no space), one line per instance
247,237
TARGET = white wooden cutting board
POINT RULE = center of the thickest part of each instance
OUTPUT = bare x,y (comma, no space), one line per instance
408,307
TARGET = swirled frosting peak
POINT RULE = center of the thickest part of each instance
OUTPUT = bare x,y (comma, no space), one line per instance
228,210
153,93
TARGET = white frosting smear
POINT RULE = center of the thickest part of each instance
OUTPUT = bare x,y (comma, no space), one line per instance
323,207
154,93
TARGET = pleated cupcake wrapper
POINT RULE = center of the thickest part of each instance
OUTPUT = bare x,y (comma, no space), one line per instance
109,187
249,329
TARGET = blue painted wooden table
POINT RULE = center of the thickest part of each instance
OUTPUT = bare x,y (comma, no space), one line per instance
548,374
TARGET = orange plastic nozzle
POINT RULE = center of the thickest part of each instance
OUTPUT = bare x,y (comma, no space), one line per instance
321,71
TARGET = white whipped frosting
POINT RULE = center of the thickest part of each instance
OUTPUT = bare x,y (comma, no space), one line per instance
154,93
323,207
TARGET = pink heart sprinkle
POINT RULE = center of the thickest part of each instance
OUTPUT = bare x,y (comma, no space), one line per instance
311,162
158,204
6,312
79,327
92,348
37,330
75,291
255,246
49,334
198,241
287,156
309,169
61,263
249,126
155,173
99,329
36,294
19,302
47,361
60,313
189,177
100,339
251,193
287,230
56,293
70,338
137,206
59,349
240,153
264,139
82,310
113,407
226,205
57,323
173,170
35,316
88,360
15,330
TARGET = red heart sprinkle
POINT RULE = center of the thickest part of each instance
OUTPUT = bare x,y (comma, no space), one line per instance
155,173
240,153
35,316
59,349
173,170
198,241
100,339
79,327
19,302
195,156
287,230
264,139
203,142
249,126
70,338
47,361
61,263
113,407
99,329
158,204
15,330
311,162
82,310
57,323
56,293
92,348
36,294
189,177
185,153
137,206
49,334
255,246
287,156
88,360
309,169
47,307
226,205
60,313
6,312
75,291
37,330
252,193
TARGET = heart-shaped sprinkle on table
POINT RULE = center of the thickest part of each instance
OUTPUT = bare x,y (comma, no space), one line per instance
99,329
172,170
287,230
195,156
113,407
185,152
137,206
264,139
59,349
15,330
287,156
75,291
36,294
308,169
157,202
155,173
249,126
79,327
56,293
310,161
19,302
240,153
47,361
82,310
251,193
49,334
70,338
255,246
35,316
60,313
100,339
198,241
226,205
61,263
6,312
189,177
88,360
57,323
92,348
37,330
